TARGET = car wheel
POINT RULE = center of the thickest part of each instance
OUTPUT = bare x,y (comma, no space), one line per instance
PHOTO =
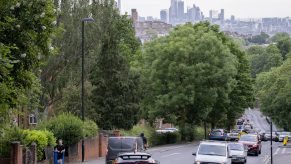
256,153
260,152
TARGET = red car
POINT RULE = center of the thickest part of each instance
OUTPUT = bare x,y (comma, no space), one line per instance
252,143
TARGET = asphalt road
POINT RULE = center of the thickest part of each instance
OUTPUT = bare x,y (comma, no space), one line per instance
182,154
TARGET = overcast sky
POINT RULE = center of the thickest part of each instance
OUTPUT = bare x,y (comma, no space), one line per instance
239,8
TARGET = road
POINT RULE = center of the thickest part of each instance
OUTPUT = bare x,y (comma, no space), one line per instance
182,154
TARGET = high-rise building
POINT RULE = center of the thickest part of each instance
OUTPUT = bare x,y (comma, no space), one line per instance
164,15
221,15
180,11
173,11
232,18
119,5
134,15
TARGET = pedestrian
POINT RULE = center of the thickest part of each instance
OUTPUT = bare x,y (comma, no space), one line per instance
144,140
60,149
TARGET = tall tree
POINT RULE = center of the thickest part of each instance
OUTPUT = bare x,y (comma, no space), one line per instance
263,59
114,96
190,74
26,28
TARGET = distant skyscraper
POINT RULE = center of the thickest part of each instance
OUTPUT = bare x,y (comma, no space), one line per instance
221,15
119,5
180,11
232,18
173,11
134,15
164,15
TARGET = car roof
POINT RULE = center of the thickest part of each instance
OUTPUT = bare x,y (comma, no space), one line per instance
222,143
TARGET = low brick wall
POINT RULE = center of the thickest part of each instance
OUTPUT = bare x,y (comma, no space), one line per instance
94,148
4,160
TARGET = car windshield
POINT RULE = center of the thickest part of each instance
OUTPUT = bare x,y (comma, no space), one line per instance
238,147
215,150
250,138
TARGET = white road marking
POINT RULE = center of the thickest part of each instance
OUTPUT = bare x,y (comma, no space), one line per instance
170,155
277,151
266,159
283,151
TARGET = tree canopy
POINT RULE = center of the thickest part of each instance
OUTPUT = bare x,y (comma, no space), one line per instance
191,74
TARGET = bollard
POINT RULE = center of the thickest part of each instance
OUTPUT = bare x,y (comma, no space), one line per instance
56,157
285,141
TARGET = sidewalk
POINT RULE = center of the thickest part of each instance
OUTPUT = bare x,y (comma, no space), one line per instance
97,161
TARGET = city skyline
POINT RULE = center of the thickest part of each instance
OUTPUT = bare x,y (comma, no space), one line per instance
270,8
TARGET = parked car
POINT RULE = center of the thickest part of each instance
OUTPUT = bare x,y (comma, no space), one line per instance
252,142
135,158
167,130
233,135
275,136
218,134
282,135
212,152
237,152
117,145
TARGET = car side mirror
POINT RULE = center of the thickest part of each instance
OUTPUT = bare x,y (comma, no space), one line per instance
194,154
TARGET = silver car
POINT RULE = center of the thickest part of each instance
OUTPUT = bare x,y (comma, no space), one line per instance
237,153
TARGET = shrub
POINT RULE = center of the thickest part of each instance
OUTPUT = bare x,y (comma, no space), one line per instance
7,135
66,126
137,129
166,138
90,128
41,138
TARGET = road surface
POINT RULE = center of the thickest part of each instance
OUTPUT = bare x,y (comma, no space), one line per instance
182,154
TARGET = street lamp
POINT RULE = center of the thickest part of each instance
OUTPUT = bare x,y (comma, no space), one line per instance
82,78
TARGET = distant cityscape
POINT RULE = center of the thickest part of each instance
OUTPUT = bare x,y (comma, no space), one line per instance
176,15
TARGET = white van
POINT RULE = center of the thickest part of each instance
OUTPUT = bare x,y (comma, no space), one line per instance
212,152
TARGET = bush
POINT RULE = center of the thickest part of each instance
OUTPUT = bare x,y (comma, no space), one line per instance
67,127
137,129
166,138
7,135
41,138
90,128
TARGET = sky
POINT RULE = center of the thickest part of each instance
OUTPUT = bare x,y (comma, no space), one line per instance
239,8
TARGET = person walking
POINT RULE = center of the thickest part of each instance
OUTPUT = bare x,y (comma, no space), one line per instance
144,140
60,149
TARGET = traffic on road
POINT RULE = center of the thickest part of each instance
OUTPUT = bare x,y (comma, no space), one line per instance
248,142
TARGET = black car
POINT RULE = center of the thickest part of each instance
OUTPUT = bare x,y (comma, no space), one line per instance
135,158
117,145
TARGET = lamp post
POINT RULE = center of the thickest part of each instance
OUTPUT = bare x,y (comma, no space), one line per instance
82,78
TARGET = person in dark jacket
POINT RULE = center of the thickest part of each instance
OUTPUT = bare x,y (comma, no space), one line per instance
60,149
144,140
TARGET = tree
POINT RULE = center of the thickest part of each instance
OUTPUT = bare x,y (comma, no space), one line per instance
273,90
25,29
116,86
189,75
259,39
279,36
263,59
284,45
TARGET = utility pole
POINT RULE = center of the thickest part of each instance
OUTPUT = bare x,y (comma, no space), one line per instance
271,124
82,78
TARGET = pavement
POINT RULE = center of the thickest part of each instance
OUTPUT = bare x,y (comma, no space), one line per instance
182,154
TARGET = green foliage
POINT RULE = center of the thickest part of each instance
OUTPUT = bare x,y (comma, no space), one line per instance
25,30
116,91
166,138
273,90
284,46
280,36
67,127
41,138
263,59
190,75
259,39
8,135
90,129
